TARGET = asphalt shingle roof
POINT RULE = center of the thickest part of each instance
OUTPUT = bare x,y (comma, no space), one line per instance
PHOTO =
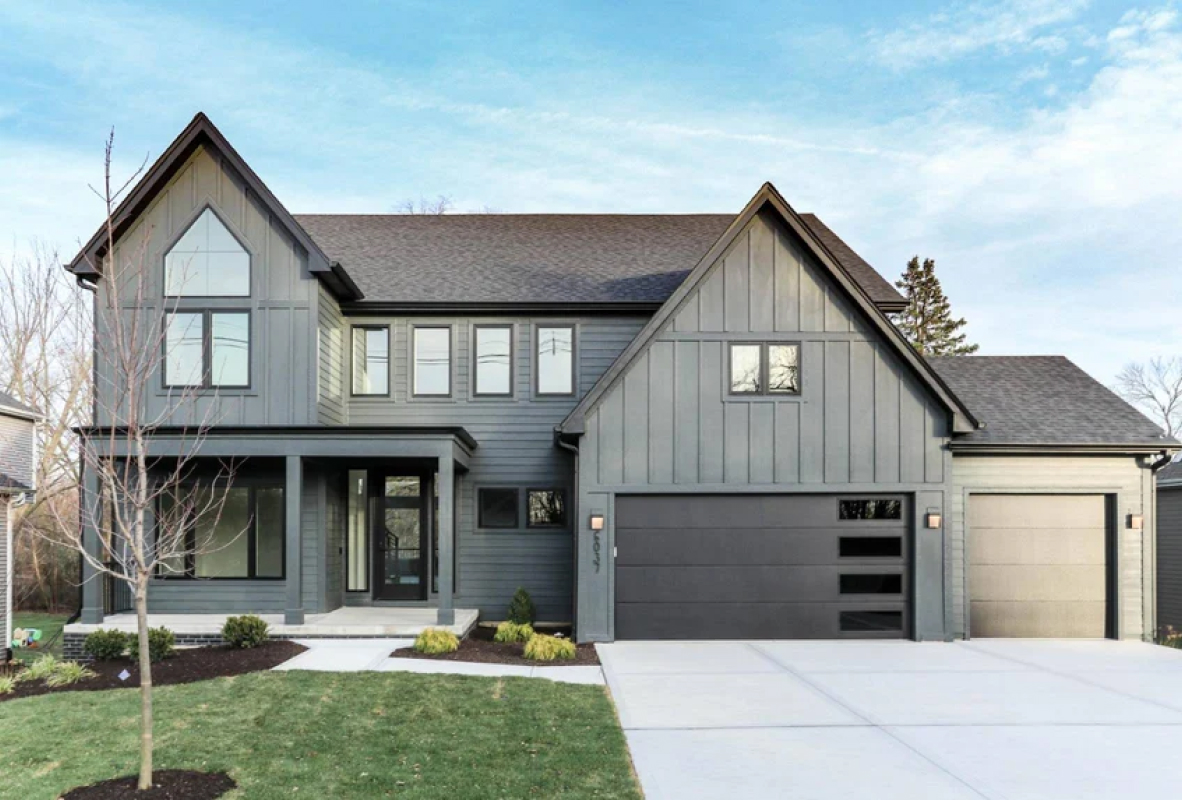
537,258
1042,400
12,484
8,401
1171,472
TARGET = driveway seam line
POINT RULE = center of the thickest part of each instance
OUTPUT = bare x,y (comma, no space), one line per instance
872,722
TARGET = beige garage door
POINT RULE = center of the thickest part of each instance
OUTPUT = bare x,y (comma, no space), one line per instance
1037,566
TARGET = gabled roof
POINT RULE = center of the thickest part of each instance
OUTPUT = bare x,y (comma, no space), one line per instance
767,197
15,408
202,132
398,259
1171,474
1044,401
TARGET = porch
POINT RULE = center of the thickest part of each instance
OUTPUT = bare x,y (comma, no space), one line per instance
358,622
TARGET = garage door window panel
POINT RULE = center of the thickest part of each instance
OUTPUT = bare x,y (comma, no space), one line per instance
872,583
870,546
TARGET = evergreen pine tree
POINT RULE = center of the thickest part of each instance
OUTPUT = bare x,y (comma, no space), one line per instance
927,322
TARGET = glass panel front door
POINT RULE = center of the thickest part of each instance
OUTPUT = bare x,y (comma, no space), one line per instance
401,558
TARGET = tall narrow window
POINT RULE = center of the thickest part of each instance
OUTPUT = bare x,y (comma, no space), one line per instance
357,543
219,359
494,360
555,359
230,349
184,343
432,362
207,261
371,360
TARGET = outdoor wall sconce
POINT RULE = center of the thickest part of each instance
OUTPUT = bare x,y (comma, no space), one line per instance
1136,522
597,522
932,520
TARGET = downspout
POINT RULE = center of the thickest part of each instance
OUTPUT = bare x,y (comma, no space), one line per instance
574,532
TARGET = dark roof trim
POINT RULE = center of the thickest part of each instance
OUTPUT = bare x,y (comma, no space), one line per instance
963,420
385,308
300,431
1081,448
201,131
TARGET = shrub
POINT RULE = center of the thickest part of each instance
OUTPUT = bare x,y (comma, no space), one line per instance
161,644
434,641
1169,636
106,645
521,609
512,632
66,673
549,648
39,670
7,684
245,631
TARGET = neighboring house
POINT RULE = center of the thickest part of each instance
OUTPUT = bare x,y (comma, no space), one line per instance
18,460
1169,545
662,426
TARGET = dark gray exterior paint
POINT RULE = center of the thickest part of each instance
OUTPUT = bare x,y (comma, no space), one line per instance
1169,555
863,422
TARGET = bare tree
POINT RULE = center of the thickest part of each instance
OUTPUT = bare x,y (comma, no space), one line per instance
45,360
1156,388
150,513
442,204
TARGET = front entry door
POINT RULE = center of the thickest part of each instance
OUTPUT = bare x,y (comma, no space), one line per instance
401,558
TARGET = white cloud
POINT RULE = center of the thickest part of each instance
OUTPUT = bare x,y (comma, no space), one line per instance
970,27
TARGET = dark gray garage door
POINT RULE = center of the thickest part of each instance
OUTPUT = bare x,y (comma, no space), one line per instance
761,566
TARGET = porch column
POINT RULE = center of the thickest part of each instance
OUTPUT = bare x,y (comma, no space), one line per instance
447,481
293,490
92,580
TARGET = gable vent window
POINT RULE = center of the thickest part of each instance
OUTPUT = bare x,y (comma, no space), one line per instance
764,369
207,261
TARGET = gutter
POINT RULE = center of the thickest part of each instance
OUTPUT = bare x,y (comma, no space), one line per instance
1080,448
574,450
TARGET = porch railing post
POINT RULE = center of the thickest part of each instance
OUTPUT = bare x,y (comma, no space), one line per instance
447,482
293,613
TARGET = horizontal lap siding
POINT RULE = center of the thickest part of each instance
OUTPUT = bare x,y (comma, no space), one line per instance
1169,556
1051,474
515,448
330,371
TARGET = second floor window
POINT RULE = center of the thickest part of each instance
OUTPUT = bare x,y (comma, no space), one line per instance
371,360
765,368
432,361
207,261
555,364
207,349
494,360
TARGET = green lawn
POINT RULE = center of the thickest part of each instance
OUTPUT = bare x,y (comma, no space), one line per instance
339,735
50,625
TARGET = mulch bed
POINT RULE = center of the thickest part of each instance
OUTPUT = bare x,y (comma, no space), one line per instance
187,666
167,784
480,648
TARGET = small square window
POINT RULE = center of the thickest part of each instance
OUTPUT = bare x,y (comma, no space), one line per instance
783,368
746,369
496,508
546,508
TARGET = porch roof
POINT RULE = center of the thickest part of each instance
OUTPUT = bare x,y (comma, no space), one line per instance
316,441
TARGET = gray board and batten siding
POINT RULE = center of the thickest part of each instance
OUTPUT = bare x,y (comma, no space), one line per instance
1169,552
863,423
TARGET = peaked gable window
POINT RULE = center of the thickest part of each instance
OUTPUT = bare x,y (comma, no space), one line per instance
207,261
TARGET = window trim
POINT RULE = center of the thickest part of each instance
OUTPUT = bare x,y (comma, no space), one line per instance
480,523
509,326
574,359
565,509
190,572
451,361
389,360
238,236
764,390
207,315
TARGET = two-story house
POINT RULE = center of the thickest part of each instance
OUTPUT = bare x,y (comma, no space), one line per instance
18,474
662,426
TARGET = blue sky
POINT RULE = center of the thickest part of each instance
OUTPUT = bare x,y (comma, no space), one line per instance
1032,147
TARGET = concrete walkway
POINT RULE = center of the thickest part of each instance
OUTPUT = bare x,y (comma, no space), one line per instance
1019,720
357,621
359,655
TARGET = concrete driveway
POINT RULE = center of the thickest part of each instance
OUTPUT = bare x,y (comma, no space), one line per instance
989,718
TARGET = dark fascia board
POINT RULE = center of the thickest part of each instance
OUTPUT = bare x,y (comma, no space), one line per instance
202,131
1078,449
498,308
293,431
963,420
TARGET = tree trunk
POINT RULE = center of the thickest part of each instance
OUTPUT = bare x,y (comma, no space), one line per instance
141,615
